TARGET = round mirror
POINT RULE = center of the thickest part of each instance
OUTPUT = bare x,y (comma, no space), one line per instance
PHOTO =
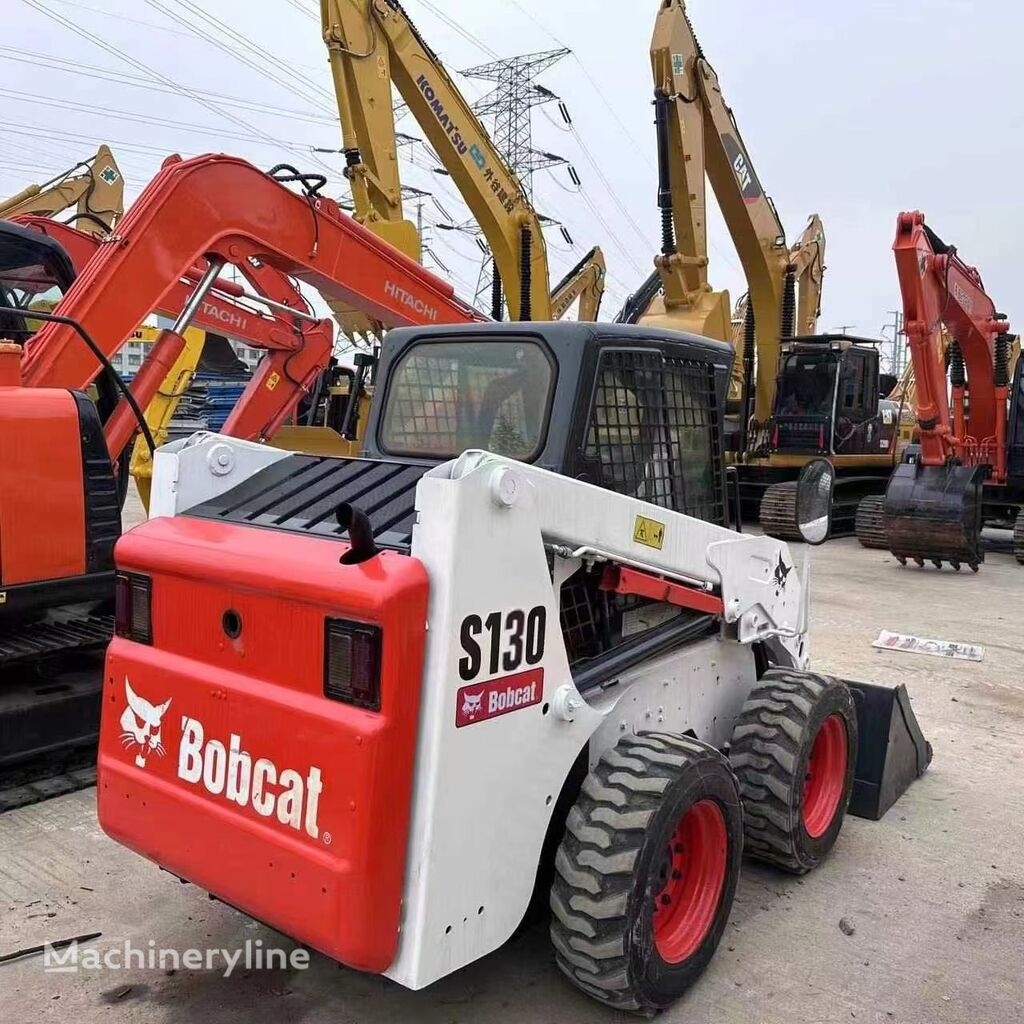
814,501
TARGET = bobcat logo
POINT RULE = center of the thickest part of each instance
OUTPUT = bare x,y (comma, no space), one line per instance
140,723
471,704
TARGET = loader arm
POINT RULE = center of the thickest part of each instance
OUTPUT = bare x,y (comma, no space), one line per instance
584,282
372,43
223,210
95,187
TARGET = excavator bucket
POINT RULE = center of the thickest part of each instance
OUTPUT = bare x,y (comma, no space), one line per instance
891,751
934,514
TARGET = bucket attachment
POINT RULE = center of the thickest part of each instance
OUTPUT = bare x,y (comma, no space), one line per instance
892,751
934,514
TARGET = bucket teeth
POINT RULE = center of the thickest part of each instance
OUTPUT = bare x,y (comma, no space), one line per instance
919,562
956,565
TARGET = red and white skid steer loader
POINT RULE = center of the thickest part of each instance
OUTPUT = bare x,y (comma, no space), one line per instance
378,702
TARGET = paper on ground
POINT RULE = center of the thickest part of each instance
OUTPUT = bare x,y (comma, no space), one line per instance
919,645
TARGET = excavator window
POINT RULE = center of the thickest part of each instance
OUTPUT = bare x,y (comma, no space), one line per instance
26,288
654,431
29,279
447,397
807,384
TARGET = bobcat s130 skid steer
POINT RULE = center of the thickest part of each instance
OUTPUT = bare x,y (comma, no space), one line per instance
378,703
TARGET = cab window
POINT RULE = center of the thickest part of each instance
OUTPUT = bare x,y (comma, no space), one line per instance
447,397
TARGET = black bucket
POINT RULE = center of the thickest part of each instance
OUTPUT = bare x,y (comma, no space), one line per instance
934,513
891,751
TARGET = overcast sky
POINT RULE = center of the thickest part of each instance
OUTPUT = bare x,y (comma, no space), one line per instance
850,110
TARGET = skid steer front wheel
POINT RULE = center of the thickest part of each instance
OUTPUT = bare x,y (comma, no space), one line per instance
646,872
794,750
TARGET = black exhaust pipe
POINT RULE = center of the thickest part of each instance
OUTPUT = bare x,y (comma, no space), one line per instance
360,534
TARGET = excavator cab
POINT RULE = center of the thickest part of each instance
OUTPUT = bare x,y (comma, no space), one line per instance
35,272
828,401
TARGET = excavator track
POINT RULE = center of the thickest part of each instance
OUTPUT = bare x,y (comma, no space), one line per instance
870,522
45,777
39,639
778,511
1018,537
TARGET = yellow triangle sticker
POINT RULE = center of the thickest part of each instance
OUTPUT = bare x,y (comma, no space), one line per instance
649,532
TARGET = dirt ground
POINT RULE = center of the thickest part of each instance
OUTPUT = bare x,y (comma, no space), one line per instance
932,897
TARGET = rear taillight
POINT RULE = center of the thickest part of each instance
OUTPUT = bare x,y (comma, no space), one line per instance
352,663
133,607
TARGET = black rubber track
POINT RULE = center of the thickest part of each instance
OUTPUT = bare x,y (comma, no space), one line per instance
31,782
771,745
605,868
870,522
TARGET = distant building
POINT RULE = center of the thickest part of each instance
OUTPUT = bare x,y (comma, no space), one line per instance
132,354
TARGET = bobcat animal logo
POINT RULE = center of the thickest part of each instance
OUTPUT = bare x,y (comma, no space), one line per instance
140,725
471,704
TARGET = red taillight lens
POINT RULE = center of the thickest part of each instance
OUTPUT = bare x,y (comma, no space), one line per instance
352,663
133,607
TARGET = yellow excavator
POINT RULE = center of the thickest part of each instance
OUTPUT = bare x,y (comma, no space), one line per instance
95,187
802,395
373,44
698,141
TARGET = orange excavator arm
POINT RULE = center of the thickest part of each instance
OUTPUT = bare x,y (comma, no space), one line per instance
939,289
217,313
216,210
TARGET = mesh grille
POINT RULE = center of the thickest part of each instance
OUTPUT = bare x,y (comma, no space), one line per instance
654,430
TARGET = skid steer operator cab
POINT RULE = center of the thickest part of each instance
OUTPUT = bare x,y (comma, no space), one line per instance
635,411
381,703
828,401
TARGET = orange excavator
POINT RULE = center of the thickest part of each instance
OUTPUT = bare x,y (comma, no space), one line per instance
59,459
968,471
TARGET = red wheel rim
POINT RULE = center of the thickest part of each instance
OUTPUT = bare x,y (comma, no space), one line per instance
826,776
692,871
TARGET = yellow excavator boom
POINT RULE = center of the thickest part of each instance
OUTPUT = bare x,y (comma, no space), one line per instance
687,301
584,282
373,43
95,187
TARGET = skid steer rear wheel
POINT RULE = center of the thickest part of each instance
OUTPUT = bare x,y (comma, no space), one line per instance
646,871
1018,537
794,750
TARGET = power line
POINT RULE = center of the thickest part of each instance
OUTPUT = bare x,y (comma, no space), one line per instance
307,94
41,8
137,81
161,122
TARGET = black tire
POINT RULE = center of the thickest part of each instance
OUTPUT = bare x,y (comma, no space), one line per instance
1018,537
614,862
870,522
772,743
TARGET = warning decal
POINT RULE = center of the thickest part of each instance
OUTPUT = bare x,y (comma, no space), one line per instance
649,532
